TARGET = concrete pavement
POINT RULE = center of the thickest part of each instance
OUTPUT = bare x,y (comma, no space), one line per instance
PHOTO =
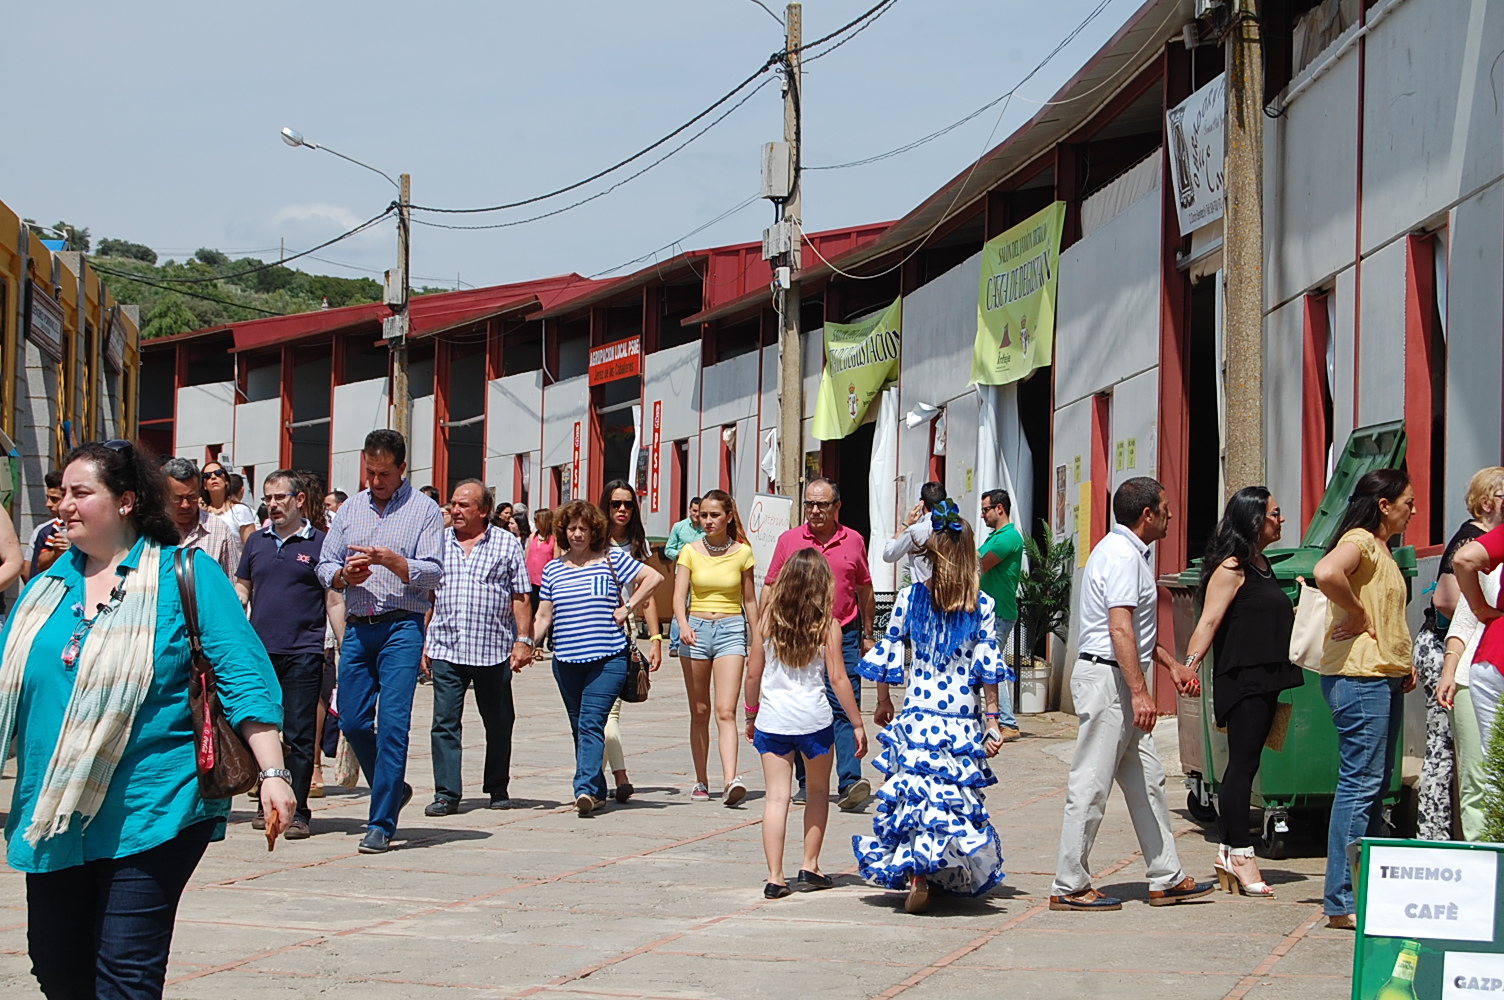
662,898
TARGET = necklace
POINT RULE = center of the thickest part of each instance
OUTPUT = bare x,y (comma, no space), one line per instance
85,625
719,550
1265,573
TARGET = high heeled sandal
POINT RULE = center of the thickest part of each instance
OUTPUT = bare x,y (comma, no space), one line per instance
1223,867
1232,882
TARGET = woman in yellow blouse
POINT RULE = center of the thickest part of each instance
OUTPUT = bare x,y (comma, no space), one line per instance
712,590
1366,668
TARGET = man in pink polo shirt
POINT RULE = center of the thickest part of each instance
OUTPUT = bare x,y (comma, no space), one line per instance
855,611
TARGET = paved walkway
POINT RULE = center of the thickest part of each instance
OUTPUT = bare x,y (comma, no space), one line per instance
662,898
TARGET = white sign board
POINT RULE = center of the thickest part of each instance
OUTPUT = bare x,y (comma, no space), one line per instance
1195,129
1471,975
1419,892
767,518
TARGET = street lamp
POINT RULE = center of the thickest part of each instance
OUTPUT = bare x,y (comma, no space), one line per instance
395,329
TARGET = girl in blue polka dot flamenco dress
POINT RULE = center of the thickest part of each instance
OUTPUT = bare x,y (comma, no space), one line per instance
931,827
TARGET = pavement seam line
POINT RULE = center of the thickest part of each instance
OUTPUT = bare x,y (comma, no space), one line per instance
1265,967
960,953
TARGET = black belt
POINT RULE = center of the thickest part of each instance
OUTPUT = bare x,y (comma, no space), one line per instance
1092,658
385,616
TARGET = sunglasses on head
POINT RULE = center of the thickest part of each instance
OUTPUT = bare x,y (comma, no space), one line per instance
119,445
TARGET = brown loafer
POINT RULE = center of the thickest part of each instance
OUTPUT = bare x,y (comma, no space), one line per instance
1087,899
1342,922
1188,888
297,830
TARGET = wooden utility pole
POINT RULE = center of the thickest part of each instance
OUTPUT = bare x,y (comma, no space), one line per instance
402,402
1243,251
790,349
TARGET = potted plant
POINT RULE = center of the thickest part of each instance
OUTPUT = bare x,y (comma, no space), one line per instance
1044,592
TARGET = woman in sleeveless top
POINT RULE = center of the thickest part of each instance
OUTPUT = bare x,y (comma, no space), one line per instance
1246,621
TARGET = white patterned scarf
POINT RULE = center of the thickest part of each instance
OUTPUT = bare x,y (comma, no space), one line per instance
114,672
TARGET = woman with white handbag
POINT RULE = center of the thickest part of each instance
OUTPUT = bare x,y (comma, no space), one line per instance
1246,620
1366,668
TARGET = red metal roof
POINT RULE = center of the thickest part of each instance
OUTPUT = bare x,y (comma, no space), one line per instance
730,273
430,314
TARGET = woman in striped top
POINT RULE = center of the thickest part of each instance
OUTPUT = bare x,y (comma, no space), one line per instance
583,598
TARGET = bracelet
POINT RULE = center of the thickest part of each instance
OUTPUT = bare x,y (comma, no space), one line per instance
655,638
524,639
751,709
993,715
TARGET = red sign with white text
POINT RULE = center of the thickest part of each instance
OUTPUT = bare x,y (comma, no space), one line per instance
657,433
575,489
622,359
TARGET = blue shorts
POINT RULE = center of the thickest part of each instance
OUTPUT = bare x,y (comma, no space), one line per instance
809,745
715,637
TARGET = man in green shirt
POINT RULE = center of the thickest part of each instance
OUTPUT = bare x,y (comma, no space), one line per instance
1002,555
685,532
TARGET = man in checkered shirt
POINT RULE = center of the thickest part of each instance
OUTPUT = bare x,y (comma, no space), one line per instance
383,552
480,633
278,578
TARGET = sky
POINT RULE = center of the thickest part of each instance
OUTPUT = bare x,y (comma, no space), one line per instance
159,123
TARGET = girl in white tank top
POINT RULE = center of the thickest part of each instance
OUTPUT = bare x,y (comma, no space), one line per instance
788,711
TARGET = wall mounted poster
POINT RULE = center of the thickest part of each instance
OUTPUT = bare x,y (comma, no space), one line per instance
860,360
1428,921
1016,302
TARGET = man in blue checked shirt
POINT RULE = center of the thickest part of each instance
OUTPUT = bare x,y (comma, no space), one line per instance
384,553
480,633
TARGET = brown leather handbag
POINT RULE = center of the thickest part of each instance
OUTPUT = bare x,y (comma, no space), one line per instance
639,672
226,766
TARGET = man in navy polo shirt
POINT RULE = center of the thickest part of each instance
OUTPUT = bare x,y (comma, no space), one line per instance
278,578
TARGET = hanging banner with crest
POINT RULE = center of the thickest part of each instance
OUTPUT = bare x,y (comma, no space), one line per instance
1016,304
860,359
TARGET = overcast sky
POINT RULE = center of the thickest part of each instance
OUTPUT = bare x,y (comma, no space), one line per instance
159,122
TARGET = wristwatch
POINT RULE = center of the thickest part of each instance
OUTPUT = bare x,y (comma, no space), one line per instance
524,639
275,772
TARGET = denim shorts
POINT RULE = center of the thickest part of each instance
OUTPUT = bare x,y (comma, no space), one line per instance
715,637
809,745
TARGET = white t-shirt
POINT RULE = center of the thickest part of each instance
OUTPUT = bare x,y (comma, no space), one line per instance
237,517
1118,575
792,700
912,537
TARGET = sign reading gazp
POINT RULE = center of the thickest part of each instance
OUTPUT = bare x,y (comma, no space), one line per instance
1472,975
620,359
1418,892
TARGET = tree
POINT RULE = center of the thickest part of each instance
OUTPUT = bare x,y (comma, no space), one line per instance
75,239
213,258
170,316
130,251
1493,783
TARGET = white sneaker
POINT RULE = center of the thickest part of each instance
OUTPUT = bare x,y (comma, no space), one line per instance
699,793
735,792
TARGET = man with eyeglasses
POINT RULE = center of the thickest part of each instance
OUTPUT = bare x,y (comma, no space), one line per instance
855,611
278,579
1002,563
197,528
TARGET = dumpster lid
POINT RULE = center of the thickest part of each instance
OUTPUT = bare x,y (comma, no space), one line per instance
1377,446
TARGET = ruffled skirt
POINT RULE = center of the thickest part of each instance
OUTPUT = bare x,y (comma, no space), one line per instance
931,819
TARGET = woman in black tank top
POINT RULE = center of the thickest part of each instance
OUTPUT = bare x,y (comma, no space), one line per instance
1246,621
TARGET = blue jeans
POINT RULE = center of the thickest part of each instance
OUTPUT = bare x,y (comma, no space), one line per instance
589,690
301,675
848,766
1368,713
378,671
1005,716
104,928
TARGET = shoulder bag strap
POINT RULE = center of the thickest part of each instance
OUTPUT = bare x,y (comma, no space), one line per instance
188,595
621,596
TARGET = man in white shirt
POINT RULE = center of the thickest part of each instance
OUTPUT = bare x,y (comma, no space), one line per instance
911,538
1117,648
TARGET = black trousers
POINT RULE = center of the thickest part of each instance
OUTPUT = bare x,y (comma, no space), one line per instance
1248,727
493,699
302,677
104,928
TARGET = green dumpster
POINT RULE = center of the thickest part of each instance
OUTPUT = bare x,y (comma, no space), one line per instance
1295,785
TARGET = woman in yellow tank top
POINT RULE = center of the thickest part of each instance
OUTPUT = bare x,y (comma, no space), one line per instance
712,588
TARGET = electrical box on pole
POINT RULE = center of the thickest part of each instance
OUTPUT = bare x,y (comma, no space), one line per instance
777,170
778,239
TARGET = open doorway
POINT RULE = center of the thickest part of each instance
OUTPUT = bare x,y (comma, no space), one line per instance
1204,455
852,469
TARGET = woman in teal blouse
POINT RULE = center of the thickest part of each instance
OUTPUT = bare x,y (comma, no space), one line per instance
106,819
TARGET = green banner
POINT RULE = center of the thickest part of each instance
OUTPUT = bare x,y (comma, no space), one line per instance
1016,306
860,359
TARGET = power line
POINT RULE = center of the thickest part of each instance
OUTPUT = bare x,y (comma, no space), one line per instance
602,193
1095,13
770,11
279,263
182,291
699,229
772,60
867,24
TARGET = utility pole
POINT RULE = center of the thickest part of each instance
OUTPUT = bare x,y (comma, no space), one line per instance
790,350
1243,250
401,399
